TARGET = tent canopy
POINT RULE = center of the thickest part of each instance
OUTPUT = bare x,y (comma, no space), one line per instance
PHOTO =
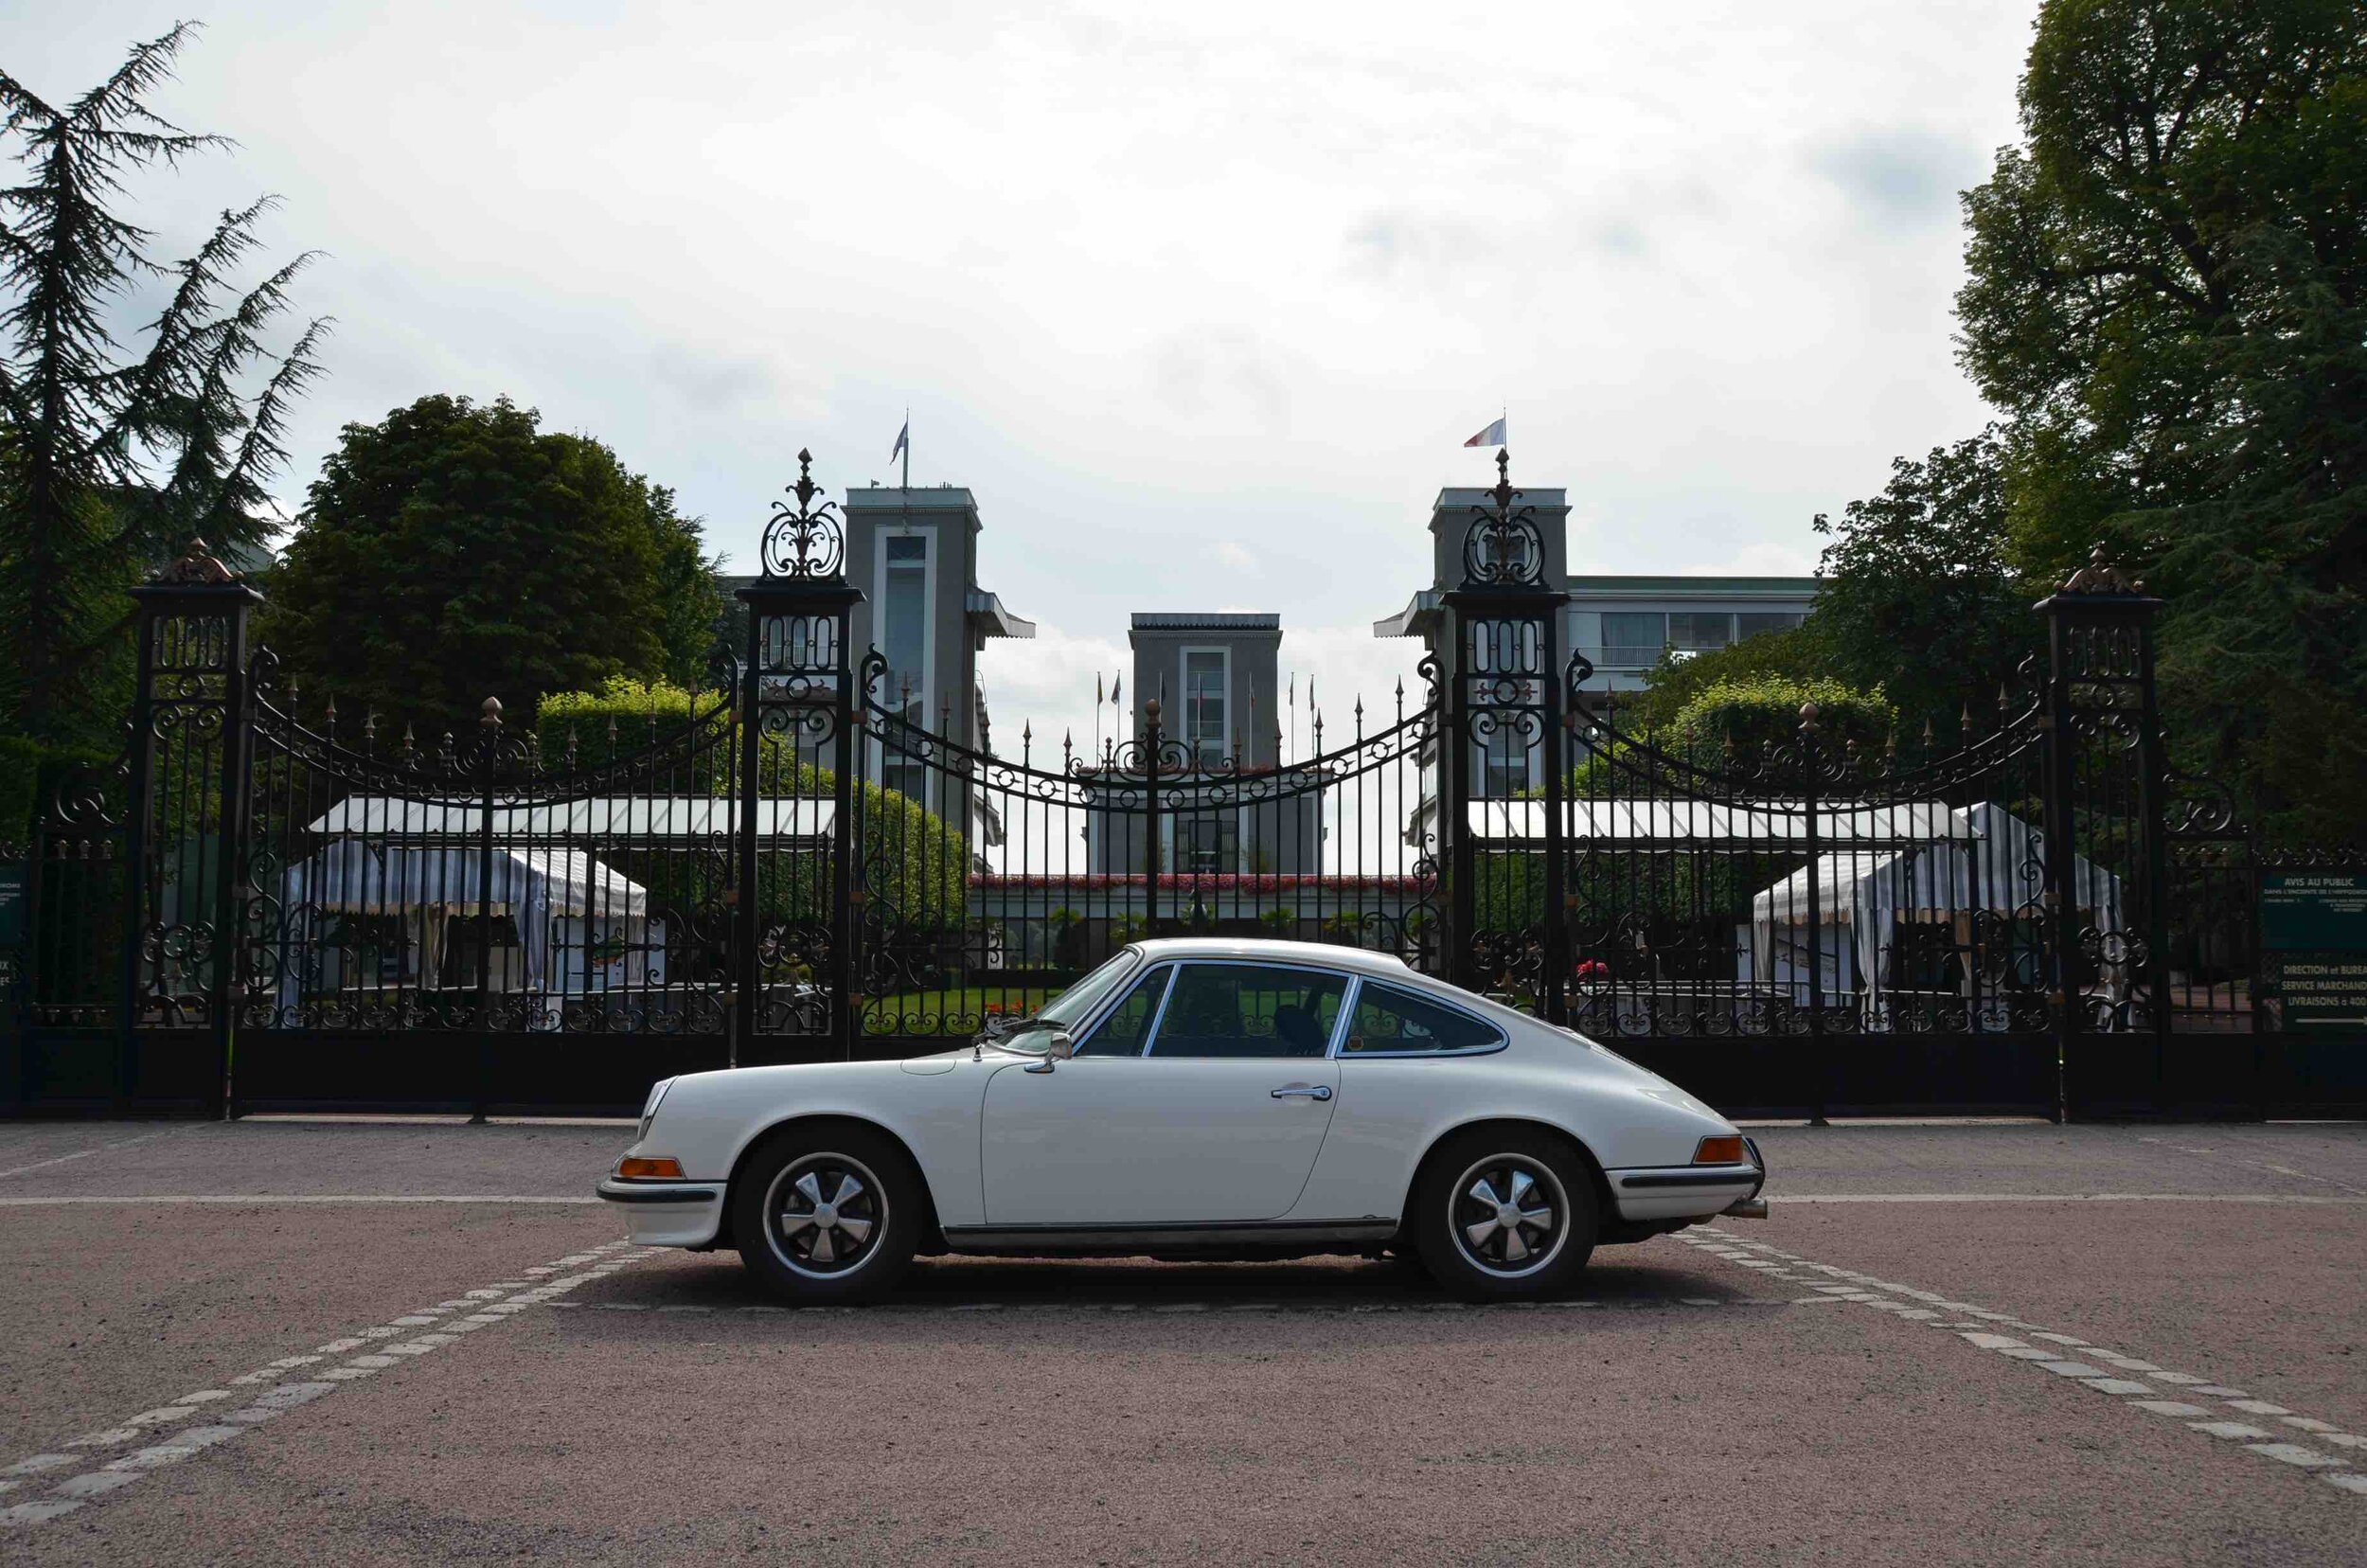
532,885
1652,821
646,817
1989,860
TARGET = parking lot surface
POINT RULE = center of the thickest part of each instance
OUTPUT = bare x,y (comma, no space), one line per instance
287,1340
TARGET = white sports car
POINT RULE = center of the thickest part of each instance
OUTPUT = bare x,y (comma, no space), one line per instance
1195,1097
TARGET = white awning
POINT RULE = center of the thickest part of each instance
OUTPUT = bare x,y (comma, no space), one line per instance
644,817
1653,821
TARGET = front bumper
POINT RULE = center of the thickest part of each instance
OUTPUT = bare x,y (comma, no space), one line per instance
666,1213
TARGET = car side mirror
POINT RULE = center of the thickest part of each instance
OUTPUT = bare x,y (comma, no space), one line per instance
1058,1048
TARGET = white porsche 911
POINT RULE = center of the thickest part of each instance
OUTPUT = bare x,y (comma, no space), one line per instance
1202,1098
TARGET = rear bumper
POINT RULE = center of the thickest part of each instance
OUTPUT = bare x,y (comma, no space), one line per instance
1678,1192
666,1213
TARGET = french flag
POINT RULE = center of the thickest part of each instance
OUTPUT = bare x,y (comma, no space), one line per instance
1492,436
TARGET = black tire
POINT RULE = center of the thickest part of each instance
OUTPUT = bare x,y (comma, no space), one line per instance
869,1231
1466,1242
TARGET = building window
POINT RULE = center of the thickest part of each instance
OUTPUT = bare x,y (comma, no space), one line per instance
1204,719
1697,632
904,641
1505,760
1207,844
1632,639
1752,622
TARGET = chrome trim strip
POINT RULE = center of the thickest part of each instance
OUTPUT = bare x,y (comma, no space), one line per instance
1503,1039
1017,1238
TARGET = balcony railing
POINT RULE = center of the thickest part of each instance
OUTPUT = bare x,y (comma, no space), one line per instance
1623,655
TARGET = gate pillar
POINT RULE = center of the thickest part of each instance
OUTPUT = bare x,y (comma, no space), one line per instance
796,712
2107,836
1505,742
186,824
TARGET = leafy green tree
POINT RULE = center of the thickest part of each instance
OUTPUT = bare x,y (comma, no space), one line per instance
2165,281
918,865
454,551
1921,596
1800,653
110,462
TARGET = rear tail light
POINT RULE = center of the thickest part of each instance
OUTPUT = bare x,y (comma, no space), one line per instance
1720,1151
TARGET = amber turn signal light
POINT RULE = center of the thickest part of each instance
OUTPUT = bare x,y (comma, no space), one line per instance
1719,1151
635,1168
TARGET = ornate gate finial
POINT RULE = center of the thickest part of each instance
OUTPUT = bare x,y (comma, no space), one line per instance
1505,548
2101,576
197,568
809,541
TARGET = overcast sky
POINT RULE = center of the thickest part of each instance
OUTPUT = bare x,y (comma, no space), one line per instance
1200,300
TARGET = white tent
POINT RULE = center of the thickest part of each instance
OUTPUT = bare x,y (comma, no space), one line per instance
638,817
559,898
1984,859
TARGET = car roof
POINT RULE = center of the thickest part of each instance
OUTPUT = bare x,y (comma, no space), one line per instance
1268,950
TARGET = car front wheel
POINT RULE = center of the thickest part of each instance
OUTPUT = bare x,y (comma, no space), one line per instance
1504,1215
828,1215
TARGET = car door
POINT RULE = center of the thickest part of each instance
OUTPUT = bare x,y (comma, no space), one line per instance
1202,1100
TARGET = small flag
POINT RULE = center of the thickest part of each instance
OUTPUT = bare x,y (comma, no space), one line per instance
903,439
1116,682
1097,696
1492,436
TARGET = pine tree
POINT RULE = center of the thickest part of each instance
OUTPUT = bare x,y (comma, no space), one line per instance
111,461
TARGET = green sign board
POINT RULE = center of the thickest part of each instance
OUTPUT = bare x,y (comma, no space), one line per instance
2316,922
2314,912
12,904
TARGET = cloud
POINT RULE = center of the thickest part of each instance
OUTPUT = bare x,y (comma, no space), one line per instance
1898,176
1231,554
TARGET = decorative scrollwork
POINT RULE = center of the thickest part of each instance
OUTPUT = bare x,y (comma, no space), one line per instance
197,568
1504,546
2101,578
804,541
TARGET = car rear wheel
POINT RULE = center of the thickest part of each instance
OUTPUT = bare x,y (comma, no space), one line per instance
1504,1215
828,1215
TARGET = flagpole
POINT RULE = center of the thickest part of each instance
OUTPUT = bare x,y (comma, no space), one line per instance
908,446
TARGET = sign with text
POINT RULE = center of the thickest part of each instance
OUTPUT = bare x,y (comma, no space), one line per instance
12,904
2316,921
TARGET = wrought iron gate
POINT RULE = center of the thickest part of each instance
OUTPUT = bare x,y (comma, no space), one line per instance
267,904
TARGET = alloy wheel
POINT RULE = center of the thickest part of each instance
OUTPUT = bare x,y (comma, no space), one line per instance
823,1215
1509,1215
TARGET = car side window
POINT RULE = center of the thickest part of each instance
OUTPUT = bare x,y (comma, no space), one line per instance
1122,1032
1248,1010
1389,1019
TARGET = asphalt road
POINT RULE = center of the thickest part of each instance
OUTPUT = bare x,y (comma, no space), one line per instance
308,1342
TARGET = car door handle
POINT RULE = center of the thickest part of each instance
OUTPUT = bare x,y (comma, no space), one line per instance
1310,1091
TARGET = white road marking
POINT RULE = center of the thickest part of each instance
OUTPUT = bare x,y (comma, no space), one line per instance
2304,1199
253,1199
2293,1453
2053,1357
99,1149
75,1491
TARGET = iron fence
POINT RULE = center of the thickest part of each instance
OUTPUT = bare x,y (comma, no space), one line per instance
267,904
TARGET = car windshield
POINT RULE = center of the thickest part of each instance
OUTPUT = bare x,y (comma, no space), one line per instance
1070,1008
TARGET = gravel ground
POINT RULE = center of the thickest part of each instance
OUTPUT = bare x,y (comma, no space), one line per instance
1798,1390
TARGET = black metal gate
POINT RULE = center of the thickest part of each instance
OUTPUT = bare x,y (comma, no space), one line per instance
268,905
987,884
